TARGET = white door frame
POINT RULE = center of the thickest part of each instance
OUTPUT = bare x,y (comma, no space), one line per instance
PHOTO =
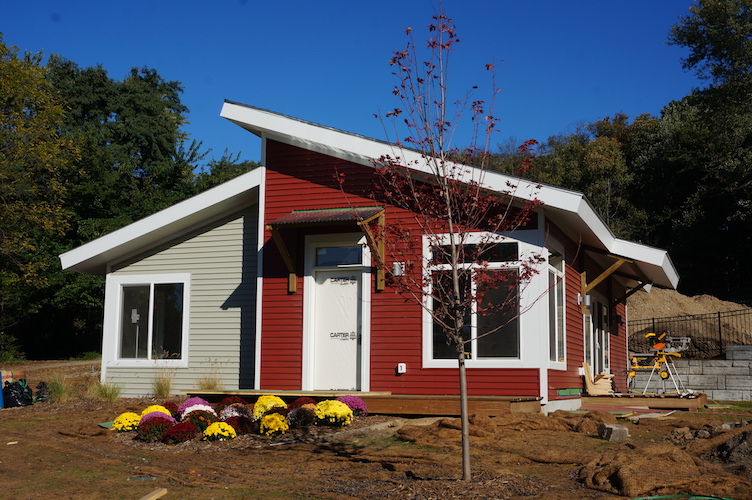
312,242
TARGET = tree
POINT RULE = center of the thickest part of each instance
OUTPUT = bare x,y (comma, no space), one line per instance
35,160
464,222
222,170
719,36
592,160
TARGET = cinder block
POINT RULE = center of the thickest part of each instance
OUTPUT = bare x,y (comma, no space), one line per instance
613,432
718,363
725,395
739,382
739,352
725,370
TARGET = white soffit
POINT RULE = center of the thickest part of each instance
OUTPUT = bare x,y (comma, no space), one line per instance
94,257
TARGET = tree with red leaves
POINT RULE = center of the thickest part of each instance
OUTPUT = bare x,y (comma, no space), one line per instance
459,224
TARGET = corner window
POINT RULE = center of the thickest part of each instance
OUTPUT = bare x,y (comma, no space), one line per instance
152,314
493,321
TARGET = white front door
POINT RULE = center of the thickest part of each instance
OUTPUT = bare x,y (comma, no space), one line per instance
337,313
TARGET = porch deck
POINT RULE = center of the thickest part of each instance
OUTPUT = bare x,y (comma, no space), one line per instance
386,403
656,401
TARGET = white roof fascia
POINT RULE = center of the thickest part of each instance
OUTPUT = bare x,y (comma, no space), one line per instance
94,256
364,150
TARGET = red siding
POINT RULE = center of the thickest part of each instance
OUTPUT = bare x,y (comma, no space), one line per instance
302,179
575,350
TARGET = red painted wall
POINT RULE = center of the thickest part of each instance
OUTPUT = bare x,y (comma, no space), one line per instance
302,179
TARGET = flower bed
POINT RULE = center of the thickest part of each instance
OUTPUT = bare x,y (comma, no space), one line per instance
198,420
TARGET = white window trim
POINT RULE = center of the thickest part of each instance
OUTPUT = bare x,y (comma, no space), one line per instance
527,321
112,314
559,365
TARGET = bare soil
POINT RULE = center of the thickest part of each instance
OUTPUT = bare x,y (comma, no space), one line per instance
660,303
58,450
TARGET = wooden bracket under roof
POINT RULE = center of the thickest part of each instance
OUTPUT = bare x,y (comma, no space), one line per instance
361,216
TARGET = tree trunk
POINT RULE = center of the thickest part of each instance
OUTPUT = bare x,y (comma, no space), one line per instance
466,474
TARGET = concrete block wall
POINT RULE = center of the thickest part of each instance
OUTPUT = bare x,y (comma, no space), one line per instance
721,379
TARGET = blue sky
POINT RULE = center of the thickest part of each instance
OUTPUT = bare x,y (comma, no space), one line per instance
564,62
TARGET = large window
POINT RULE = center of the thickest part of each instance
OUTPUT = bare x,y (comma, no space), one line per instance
152,317
492,323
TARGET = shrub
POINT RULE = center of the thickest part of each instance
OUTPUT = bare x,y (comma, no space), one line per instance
274,423
302,401
230,400
243,425
154,408
219,431
154,429
356,404
201,419
332,412
234,410
266,403
155,414
172,407
301,417
127,421
179,433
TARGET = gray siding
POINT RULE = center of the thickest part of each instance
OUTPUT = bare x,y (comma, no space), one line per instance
222,261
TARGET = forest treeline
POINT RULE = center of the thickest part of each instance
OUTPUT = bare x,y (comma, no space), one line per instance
82,154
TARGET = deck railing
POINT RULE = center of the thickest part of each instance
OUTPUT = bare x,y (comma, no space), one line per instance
710,333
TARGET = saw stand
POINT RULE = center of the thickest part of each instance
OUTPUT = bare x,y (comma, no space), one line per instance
666,349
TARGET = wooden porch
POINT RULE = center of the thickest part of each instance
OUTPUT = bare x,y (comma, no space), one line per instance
653,401
386,403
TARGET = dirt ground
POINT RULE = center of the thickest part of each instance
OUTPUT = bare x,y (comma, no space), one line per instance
659,303
52,450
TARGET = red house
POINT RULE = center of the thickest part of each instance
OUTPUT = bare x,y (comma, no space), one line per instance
268,281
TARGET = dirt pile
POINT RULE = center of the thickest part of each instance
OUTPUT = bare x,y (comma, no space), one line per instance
660,303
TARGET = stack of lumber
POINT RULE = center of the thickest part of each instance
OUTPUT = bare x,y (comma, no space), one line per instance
601,386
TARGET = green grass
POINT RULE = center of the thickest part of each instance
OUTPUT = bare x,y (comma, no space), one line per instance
87,356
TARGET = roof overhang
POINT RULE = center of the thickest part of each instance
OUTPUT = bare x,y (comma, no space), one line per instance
569,210
96,256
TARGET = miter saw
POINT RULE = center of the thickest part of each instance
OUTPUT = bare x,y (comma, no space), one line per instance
665,349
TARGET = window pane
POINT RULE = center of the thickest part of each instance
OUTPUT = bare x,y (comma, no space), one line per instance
552,322
560,318
556,317
167,335
501,308
490,252
339,256
134,326
443,293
